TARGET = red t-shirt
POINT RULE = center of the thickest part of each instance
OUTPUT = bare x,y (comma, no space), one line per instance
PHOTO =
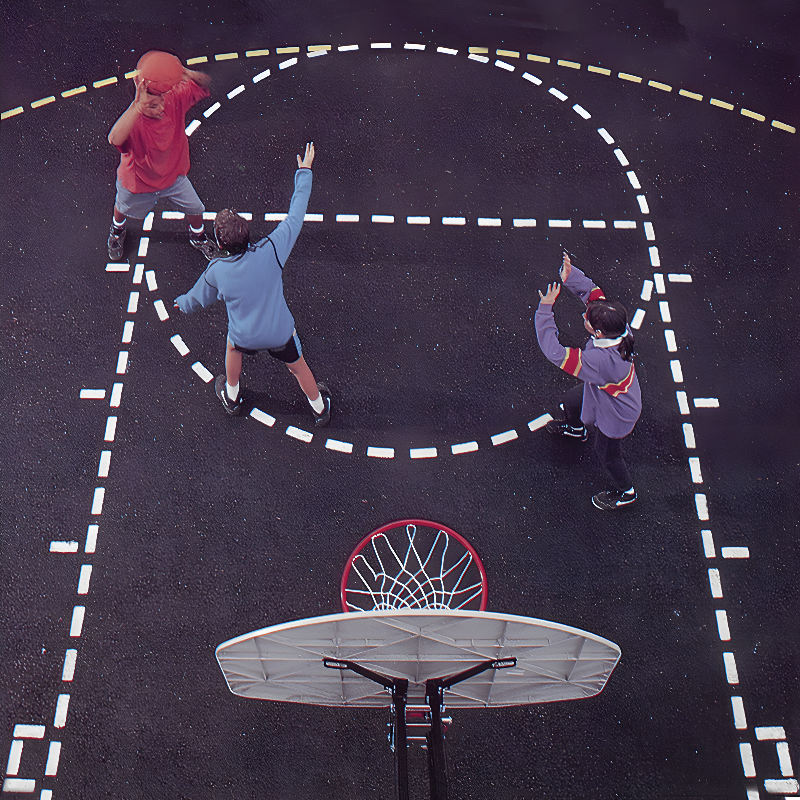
157,150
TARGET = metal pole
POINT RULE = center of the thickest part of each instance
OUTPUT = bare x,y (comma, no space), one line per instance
399,690
437,766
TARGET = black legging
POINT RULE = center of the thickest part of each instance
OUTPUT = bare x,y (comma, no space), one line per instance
608,450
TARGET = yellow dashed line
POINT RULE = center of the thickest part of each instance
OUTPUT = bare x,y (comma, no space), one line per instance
13,112
721,104
132,74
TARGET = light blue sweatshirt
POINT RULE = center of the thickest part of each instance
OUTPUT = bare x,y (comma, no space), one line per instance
251,283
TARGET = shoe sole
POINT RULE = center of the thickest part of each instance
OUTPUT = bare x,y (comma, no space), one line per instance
602,507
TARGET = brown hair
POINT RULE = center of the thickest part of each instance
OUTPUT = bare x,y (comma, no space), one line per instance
232,231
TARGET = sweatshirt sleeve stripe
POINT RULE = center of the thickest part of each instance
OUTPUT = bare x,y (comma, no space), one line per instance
596,294
616,389
573,361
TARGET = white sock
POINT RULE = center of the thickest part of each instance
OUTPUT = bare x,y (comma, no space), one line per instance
196,231
118,225
629,491
318,405
233,391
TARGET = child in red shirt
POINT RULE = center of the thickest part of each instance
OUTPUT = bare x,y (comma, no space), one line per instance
154,148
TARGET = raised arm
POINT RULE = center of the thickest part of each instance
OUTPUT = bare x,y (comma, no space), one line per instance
285,235
122,128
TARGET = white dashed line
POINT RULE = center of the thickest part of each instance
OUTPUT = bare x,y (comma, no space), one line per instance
784,759
607,138
133,302
63,547
347,47
701,502
97,501
482,60
161,310
111,429
643,207
464,447
763,733
560,95
36,731
669,336
382,218
735,552
454,221
658,278
423,452
677,371
14,757
211,109
581,111
663,308
116,267
122,362
93,394
21,785
127,332
409,46
621,157
507,67
655,258
524,223
347,217
722,625
739,718
594,223
782,786
150,277
489,222
105,464
290,62
673,277
624,223
299,434
694,468
731,673
76,626
262,417
526,75
418,220
91,538
53,754
202,372
70,660
649,232
180,345
341,447
62,706
506,436
138,272
116,395
446,50
638,318
539,422
559,223
633,180
708,544
706,402
715,583
380,452
261,75
84,579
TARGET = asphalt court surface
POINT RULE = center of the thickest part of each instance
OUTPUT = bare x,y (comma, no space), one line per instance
211,527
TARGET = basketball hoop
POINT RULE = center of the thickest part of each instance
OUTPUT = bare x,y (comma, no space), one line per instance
413,563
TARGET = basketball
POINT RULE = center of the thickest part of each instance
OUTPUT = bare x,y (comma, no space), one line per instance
163,70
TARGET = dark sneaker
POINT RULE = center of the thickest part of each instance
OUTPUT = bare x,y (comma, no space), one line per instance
233,407
608,501
202,243
116,242
560,428
322,420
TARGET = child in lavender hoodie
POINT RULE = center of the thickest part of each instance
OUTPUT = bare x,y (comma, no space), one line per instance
610,398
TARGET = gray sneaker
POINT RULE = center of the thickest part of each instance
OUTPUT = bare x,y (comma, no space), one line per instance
322,420
202,243
116,242
232,407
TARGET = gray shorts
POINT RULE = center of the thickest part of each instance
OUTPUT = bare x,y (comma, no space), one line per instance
181,196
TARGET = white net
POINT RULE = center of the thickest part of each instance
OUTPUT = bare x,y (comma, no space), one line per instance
414,566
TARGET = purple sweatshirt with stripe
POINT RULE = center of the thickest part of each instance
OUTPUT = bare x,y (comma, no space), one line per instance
615,408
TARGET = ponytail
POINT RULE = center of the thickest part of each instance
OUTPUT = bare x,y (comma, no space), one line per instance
610,317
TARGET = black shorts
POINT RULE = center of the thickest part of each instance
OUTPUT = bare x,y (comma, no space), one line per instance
288,353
